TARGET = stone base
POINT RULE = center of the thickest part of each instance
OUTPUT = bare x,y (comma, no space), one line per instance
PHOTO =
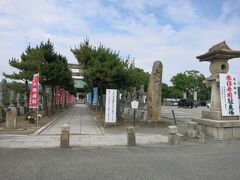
11,118
219,129
154,123
217,115
21,110
143,123
107,124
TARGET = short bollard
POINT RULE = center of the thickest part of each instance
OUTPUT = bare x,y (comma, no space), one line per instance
131,139
201,138
64,142
192,129
172,135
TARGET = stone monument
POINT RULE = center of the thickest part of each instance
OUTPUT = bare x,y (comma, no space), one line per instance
212,122
141,94
19,105
154,94
128,100
11,115
134,93
12,98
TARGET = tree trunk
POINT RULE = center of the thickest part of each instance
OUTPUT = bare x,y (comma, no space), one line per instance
52,100
27,93
101,101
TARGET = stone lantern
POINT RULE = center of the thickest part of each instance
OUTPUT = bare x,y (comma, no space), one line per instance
212,122
218,56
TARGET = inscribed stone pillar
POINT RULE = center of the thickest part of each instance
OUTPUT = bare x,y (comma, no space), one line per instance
134,94
12,98
141,93
154,93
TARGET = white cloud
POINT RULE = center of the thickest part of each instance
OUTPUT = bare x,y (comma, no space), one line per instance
127,26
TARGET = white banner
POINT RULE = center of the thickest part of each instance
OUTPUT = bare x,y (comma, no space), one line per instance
229,95
111,106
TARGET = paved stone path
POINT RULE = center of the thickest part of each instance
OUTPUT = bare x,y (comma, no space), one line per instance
80,120
84,131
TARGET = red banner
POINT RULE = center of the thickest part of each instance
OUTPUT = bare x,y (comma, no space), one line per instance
61,95
67,96
33,97
57,95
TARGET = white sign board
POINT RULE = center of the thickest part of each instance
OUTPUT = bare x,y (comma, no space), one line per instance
229,95
134,104
111,106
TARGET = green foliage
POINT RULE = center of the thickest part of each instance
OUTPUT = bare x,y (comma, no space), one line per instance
191,81
55,71
170,92
29,64
105,69
16,86
52,68
137,77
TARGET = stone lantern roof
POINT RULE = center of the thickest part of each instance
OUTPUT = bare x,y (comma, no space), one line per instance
220,51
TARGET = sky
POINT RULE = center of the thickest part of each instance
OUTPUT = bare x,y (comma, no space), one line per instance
172,31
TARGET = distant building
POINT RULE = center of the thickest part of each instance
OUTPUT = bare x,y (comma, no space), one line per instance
77,75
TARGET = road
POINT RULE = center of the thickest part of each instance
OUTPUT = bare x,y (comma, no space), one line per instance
182,114
220,160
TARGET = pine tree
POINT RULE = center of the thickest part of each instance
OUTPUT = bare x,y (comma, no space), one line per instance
30,63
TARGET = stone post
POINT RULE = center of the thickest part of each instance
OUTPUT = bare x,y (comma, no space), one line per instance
201,138
131,139
11,118
192,129
172,135
64,141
